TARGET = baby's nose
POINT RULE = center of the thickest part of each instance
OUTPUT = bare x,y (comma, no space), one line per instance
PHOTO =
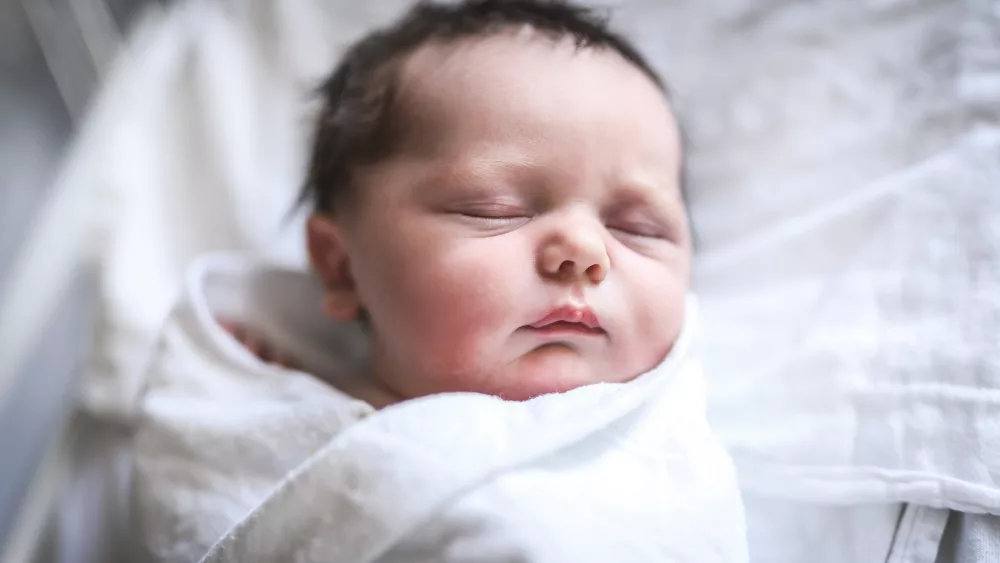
576,253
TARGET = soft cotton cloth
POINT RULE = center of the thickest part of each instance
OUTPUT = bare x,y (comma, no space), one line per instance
280,465
854,348
970,538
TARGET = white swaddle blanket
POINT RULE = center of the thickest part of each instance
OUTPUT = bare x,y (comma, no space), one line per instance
279,466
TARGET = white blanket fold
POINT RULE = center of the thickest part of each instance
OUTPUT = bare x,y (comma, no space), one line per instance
608,472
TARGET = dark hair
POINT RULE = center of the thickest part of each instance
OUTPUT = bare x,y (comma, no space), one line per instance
357,125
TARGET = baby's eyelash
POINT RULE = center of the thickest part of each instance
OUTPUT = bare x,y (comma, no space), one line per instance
491,210
493,219
644,231
490,214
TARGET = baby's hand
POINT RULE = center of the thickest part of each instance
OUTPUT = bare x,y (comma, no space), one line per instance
255,341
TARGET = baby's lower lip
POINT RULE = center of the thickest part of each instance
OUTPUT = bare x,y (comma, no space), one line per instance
563,328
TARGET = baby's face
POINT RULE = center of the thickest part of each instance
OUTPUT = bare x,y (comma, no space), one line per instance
531,237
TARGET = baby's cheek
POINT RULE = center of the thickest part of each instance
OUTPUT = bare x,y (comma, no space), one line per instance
658,314
467,318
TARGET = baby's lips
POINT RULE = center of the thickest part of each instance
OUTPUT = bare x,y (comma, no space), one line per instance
583,315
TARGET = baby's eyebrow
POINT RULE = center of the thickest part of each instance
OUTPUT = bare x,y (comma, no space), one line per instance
506,163
484,169
630,197
477,172
646,187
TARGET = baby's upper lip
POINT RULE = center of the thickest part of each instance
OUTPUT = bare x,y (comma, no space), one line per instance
570,314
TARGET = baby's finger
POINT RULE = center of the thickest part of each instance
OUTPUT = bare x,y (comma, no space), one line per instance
231,327
252,342
284,360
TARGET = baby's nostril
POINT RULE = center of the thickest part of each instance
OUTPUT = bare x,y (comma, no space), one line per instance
566,269
596,273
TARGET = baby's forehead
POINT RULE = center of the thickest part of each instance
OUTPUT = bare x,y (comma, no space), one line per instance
510,56
521,81
529,111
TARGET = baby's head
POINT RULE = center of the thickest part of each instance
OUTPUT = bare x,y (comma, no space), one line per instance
497,187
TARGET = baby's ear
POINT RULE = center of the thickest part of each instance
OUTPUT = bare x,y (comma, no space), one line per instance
329,258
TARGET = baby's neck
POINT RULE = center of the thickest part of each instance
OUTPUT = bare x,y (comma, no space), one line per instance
369,390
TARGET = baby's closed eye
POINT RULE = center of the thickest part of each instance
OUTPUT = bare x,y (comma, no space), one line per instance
646,229
492,215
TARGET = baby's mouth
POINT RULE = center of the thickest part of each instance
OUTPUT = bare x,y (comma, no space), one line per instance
568,320
563,328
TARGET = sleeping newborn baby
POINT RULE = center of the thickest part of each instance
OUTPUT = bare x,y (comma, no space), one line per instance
494,347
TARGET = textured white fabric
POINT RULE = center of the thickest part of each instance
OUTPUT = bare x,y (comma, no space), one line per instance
970,538
218,429
626,472
854,349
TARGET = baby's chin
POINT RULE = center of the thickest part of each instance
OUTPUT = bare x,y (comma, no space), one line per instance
545,370
552,369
